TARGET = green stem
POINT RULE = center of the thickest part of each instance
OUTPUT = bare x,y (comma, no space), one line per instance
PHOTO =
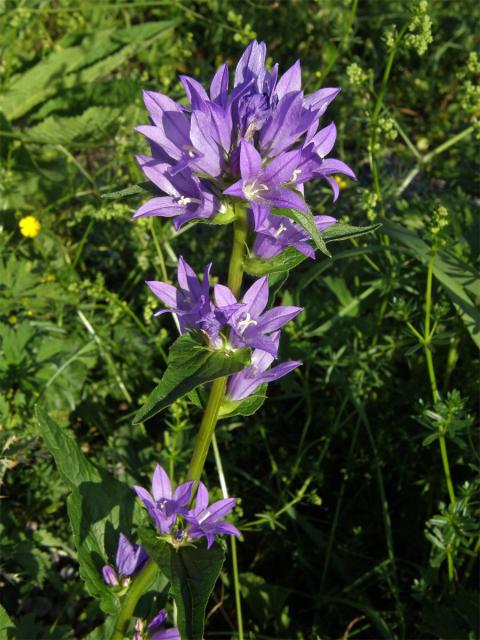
432,376
376,113
205,433
207,427
138,587
217,392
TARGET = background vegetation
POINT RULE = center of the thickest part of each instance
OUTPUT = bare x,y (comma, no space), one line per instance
352,526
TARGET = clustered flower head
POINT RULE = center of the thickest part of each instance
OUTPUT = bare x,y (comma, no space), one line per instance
170,514
258,142
254,145
230,324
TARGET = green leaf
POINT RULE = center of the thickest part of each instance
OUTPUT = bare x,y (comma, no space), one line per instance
306,220
341,231
459,279
229,408
92,123
191,362
193,572
134,190
6,625
96,56
99,507
285,261
291,258
246,407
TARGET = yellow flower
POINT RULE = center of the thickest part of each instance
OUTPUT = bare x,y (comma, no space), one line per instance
29,227
341,182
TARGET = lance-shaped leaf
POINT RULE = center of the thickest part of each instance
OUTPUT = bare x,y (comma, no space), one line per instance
144,188
99,507
290,258
191,362
192,572
306,220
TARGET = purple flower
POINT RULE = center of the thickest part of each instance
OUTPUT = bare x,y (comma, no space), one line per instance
244,383
191,302
162,506
207,521
188,197
157,631
276,233
129,560
250,326
267,186
260,142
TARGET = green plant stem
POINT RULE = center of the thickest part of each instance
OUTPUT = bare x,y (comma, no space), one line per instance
204,436
137,588
432,376
376,113
207,427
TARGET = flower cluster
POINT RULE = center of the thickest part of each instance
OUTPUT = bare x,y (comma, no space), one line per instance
171,516
247,323
258,143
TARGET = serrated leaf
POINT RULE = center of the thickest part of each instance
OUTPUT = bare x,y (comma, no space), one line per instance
191,362
460,280
306,220
62,130
193,572
78,65
99,507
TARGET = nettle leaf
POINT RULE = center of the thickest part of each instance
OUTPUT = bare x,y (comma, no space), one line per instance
99,507
291,258
191,362
306,220
192,572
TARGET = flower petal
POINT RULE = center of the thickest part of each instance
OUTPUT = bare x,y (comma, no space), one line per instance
256,297
223,296
161,485
250,160
165,292
275,318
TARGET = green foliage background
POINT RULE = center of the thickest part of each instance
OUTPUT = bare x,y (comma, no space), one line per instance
349,529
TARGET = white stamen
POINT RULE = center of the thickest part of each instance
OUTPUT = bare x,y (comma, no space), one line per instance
241,326
183,200
251,190
280,230
295,175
